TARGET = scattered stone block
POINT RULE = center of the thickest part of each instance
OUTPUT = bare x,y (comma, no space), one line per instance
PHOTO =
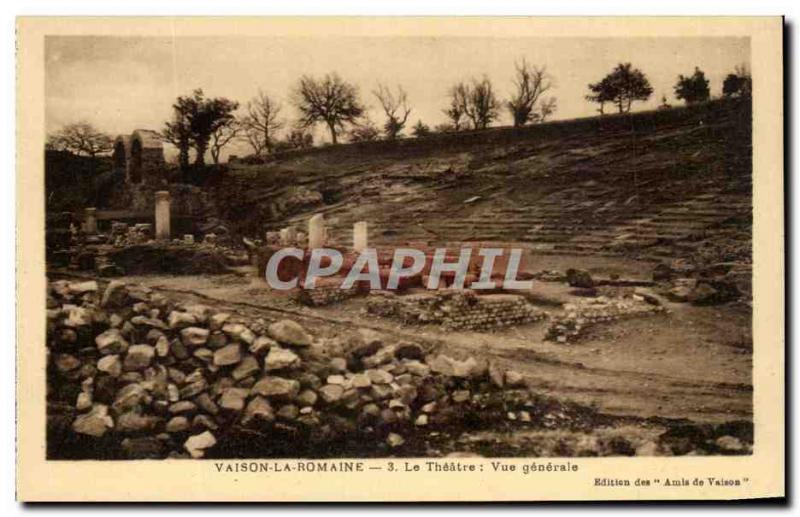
290,333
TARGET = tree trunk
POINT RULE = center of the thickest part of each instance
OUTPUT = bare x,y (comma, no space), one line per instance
183,158
200,159
332,128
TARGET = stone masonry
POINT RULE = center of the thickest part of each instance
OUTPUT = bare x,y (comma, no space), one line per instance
456,310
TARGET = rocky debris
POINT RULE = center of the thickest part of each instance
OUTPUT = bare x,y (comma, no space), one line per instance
395,440
702,291
196,445
457,310
138,357
246,368
111,341
289,332
258,409
194,336
640,294
239,332
94,423
188,374
582,314
713,292
114,295
228,355
680,291
280,358
579,278
276,388
662,273
730,444
731,438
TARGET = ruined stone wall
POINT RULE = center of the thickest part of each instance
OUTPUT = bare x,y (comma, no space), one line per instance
456,310
326,294
153,166
141,156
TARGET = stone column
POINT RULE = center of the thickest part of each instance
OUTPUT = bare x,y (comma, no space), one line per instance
291,236
162,215
90,221
316,232
360,236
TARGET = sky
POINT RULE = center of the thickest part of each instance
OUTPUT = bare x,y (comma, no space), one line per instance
124,83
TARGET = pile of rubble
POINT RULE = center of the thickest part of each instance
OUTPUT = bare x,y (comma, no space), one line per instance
132,371
121,234
712,285
457,310
582,314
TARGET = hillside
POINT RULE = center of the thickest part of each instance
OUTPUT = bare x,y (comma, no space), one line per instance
655,184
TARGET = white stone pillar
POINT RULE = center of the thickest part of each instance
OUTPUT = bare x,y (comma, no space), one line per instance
316,232
90,221
360,236
162,215
291,236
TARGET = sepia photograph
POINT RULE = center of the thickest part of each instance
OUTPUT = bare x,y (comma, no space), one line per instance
349,245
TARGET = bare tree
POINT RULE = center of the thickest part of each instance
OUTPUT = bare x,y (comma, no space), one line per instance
530,82
330,100
482,105
393,105
54,143
222,136
261,122
459,98
546,107
81,138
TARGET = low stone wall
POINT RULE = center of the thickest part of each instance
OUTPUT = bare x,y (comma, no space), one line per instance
456,310
325,294
584,314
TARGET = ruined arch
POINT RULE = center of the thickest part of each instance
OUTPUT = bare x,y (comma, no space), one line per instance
120,155
141,156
